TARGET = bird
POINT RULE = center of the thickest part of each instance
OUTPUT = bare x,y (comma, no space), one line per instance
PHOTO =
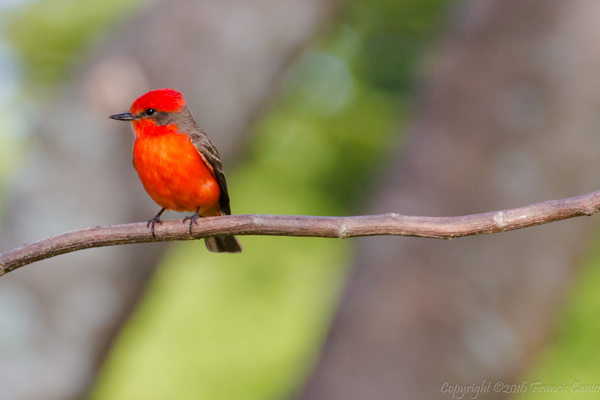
178,165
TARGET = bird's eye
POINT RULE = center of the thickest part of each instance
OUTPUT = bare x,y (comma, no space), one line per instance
150,112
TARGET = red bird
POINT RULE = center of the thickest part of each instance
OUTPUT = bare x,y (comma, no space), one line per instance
177,163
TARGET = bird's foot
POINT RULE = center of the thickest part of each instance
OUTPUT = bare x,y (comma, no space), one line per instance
154,221
193,219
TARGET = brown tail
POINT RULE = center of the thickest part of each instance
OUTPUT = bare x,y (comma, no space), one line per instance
223,244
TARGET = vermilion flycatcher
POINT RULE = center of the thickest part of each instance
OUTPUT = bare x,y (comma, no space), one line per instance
177,163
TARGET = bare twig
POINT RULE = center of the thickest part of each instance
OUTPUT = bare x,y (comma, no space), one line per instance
290,225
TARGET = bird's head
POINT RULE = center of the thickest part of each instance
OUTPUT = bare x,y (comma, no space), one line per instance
155,107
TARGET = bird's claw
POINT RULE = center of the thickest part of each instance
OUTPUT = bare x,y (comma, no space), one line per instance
193,220
152,222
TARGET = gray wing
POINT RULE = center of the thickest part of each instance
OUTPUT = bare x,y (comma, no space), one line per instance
209,152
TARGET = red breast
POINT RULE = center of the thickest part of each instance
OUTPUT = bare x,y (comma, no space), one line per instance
172,171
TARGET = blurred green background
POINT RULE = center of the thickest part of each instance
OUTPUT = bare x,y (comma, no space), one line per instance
212,328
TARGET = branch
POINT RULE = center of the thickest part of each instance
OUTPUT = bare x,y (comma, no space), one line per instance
307,226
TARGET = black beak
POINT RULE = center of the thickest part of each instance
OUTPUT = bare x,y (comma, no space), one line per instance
123,117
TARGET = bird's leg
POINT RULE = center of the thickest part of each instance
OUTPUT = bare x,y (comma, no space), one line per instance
155,220
193,219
